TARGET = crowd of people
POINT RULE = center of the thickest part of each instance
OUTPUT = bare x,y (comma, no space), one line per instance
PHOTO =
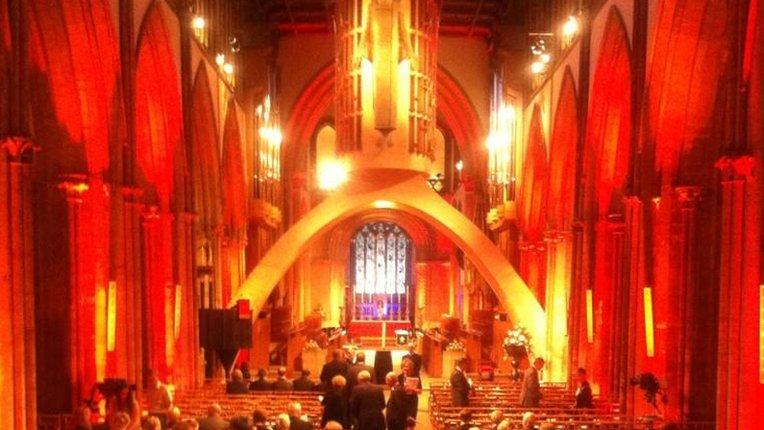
350,396
351,399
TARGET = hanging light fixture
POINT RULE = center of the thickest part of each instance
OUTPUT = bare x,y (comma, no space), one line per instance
198,23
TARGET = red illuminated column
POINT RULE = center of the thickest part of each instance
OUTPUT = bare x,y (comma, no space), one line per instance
738,379
81,302
159,289
188,338
17,325
130,308
635,338
684,269
558,275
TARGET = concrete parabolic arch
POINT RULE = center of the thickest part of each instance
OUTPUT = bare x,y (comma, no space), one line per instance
406,191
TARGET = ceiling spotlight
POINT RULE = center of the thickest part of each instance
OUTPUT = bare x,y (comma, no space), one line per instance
228,68
537,67
220,59
539,47
545,58
459,165
198,23
570,27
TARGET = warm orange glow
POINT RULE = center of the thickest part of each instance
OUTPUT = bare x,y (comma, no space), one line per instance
198,23
404,92
332,173
538,67
178,307
570,27
101,332
111,317
589,317
384,204
649,329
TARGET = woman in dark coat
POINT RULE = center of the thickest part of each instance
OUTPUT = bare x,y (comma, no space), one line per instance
336,403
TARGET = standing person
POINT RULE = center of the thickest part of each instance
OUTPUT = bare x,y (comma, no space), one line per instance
366,404
460,385
395,413
358,367
530,392
282,383
213,421
335,403
411,385
415,358
333,368
584,391
304,383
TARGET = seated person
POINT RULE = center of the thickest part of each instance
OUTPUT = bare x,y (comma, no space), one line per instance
497,417
236,385
333,425
465,420
529,420
261,384
213,421
304,383
156,395
295,417
282,383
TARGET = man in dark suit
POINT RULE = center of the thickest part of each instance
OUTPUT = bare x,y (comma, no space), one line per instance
213,421
584,398
415,358
530,392
282,383
295,418
358,367
333,368
460,386
366,404
237,385
395,413
304,383
261,384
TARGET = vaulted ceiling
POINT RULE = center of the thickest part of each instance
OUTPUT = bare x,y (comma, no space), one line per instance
457,16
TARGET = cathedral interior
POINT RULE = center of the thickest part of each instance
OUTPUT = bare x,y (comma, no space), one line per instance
187,186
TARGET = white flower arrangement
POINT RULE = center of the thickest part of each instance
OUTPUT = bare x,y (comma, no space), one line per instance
517,339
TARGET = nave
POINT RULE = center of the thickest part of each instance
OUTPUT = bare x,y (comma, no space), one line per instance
518,189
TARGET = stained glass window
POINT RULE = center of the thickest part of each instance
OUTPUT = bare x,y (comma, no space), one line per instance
381,259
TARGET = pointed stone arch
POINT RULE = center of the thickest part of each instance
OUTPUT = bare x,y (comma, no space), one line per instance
205,159
562,156
408,192
533,183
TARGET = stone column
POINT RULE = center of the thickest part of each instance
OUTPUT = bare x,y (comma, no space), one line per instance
81,360
633,220
684,283
558,275
130,310
731,379
17,327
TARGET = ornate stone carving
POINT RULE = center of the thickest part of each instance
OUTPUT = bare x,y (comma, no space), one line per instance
19,149
74,186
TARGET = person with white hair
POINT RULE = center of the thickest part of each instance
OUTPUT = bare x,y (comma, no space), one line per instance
120,421
294,409
283,422
367,401
214,420
497,417
529,420
396,411
237,385
333,425
282,383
